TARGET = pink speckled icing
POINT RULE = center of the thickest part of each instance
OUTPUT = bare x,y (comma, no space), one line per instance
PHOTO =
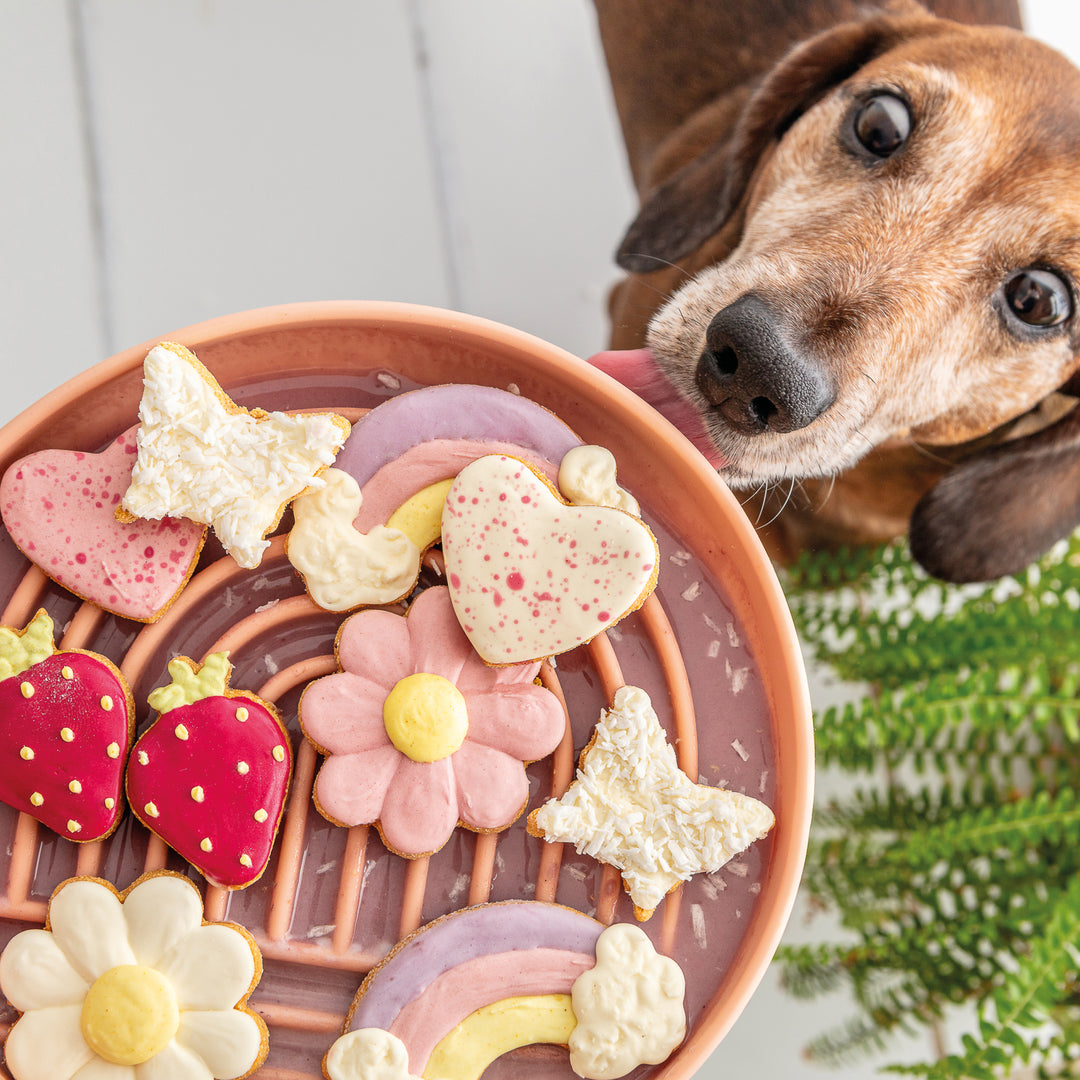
58,506
427,463
529,575
65,728
417,804
215,775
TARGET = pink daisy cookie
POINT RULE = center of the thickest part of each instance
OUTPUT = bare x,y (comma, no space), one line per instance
420,733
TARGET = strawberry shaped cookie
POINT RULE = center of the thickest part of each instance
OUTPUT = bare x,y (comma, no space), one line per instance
66,722
209,776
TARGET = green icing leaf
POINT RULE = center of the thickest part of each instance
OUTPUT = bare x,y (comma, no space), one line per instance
22,649
191,683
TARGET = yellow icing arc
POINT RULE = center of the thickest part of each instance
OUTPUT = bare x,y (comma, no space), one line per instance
192,682
426,717
130,1014
496,1029
420,518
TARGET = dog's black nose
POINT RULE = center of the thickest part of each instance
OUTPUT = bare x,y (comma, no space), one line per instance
755,378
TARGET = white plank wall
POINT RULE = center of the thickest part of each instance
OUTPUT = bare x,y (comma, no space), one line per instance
167,161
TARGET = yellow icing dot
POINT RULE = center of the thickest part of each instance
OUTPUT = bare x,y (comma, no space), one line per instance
180,731
279,753
73,826
144,758
26,754
242,767
113,750
110,803
67,672
151,810
425,717
75,787
130,1014
67,734
26,689
198,794
37,798
205,844
241,714
261,815
107,703
245,860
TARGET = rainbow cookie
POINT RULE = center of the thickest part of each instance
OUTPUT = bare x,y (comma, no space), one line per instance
210,775
203,457
66,722
59,508
483,981
420,734
633,807
530,575
132,984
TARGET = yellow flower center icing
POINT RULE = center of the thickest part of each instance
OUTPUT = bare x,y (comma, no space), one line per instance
129,1015
426,717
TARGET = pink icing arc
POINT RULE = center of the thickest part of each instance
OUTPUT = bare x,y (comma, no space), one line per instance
460,991
453,411
58,506
427,463
165,770
36,757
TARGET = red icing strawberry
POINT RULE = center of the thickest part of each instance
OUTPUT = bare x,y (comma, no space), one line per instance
66,722
210,775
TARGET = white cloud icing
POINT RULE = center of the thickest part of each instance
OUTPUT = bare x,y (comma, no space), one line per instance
368,1054
587,477
629,1007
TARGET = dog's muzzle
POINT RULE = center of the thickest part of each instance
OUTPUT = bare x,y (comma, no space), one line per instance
754,377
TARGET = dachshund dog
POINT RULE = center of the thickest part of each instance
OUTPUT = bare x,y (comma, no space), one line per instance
856,260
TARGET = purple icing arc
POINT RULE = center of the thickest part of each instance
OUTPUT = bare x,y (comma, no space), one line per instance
509,926
457,411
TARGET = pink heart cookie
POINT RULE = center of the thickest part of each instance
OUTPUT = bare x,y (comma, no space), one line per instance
531,576
58,506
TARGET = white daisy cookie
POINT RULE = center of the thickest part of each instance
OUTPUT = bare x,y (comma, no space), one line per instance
132,986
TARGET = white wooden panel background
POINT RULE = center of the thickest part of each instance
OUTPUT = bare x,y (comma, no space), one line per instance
167,161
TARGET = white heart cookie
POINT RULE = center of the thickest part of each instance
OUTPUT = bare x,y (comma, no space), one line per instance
529,575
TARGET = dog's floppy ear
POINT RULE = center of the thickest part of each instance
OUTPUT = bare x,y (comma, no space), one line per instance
1001,509
696,201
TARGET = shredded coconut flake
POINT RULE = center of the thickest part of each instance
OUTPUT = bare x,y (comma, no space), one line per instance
391,382
713,651
267,606
739,749
692,591
697,921
513,388
680,558
326,867
321,931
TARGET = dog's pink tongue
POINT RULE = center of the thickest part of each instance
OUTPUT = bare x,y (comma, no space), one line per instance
638,370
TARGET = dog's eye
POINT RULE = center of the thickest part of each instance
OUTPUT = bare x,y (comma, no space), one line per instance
882,124
1038,297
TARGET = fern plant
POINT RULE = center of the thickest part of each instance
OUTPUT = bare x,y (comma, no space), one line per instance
954,866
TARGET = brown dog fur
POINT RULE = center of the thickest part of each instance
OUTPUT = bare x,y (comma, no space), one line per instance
888,274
